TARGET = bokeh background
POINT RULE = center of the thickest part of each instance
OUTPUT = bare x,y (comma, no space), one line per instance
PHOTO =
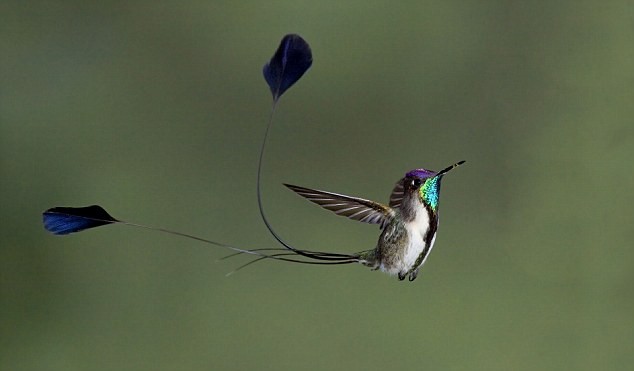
156,110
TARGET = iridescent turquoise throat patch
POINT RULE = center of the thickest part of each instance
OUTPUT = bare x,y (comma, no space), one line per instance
429,192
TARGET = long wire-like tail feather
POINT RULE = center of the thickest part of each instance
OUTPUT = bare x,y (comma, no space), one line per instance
289,63
66,220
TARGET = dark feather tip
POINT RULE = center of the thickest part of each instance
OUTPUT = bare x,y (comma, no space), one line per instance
291,60
65,220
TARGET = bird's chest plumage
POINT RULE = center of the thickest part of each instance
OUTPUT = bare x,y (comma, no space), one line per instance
418,232
404,243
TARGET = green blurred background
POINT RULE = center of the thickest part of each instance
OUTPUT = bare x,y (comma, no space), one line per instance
156,110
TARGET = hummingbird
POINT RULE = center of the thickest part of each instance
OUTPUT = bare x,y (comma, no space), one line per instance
408,223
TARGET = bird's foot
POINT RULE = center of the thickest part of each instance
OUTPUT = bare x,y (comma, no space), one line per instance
413,275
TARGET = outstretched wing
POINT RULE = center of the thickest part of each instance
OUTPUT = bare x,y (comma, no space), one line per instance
352,207
397,194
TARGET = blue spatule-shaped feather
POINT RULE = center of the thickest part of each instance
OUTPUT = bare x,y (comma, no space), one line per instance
65,220
291,60
289,63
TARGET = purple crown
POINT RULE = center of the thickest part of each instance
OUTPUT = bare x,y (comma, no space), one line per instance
420,173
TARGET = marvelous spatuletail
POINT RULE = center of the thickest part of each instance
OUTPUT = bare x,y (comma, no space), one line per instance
408,223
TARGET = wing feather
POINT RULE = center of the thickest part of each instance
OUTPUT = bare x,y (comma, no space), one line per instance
351,207
397,194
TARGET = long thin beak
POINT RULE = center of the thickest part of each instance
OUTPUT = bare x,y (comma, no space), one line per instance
448,169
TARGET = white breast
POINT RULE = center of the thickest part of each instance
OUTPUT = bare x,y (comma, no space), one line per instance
417,230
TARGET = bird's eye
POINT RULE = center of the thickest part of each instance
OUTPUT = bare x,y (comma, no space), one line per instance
416,183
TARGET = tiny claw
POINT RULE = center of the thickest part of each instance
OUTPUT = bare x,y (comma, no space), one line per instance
401,276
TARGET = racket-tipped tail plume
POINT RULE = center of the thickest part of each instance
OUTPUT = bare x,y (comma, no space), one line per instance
289,63
65,220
